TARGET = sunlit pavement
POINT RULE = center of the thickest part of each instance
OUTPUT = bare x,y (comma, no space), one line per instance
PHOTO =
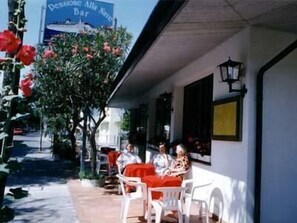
56,195
49,199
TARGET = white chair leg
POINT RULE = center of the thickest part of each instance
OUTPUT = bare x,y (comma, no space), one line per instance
188,203
119,189
125,211
108,170
200,206
143,209
207,213
149,214
98,168
180,213
122,209
180,217
158,214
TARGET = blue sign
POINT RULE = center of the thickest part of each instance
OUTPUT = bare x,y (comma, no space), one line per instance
76,16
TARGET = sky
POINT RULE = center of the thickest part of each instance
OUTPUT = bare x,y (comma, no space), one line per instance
131,14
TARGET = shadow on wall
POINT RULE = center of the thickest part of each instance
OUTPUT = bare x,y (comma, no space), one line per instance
216,204
237,203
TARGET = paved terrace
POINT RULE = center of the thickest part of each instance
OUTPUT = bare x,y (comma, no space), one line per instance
56,194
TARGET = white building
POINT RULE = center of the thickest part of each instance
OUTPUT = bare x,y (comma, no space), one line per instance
109,129
178,52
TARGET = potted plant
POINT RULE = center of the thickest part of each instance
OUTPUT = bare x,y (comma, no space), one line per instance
89,178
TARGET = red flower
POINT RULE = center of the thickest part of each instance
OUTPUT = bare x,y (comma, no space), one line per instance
26,85
89,56
8,41
26,54
48,54
74,49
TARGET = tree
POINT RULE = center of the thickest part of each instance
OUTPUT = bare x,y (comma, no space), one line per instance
76,72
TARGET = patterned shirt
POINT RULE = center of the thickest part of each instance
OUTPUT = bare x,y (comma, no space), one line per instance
182,162
127,158
161,162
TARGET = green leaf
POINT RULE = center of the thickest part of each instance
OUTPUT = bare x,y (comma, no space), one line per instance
10,97
3,135
4,172
6,214
19,117
18,193
13,166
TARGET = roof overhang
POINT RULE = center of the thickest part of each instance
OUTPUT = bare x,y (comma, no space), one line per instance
178,32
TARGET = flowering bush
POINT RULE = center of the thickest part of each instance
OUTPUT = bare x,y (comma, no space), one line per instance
75,73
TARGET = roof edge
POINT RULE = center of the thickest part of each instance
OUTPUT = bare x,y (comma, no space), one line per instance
162,13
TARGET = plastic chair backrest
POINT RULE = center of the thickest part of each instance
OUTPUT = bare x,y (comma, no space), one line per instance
171,196
102,158
202,191
132,182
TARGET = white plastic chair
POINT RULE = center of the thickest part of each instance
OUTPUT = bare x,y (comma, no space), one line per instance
171,201
139,194
102,159
199,194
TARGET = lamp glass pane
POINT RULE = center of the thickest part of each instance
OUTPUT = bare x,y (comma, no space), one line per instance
224,73
235,73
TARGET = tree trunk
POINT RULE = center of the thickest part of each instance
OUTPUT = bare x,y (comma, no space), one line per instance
93,142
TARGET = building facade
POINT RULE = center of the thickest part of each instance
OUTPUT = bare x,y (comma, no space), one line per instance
252,173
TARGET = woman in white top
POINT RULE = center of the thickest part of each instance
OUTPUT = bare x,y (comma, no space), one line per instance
127,157
161,160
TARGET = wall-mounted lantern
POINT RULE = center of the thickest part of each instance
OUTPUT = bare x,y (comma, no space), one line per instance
231,72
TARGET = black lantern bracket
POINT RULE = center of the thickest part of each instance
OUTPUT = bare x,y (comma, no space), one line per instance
232,72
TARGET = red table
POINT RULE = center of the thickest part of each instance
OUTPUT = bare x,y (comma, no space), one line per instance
112,156
159,181
139,170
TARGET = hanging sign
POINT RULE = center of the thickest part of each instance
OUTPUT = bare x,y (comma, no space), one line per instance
75,16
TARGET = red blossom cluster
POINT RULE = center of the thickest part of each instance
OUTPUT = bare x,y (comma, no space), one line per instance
11,44
26,85
116,51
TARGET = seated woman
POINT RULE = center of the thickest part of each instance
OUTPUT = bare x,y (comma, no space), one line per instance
180,165
161,160
127,157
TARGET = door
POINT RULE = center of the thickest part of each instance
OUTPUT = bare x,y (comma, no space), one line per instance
279,158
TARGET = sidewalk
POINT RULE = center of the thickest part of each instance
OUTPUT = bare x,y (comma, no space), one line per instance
49,199
56,194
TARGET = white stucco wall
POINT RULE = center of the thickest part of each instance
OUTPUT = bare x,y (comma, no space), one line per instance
279,125
232,163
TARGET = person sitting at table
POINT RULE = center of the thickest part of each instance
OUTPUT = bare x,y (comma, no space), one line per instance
127,157
180,165
161,160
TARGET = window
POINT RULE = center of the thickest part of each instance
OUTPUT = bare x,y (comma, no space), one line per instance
197,118
138,125
163,117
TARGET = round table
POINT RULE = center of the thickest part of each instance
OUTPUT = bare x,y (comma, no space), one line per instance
161,181
139,170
